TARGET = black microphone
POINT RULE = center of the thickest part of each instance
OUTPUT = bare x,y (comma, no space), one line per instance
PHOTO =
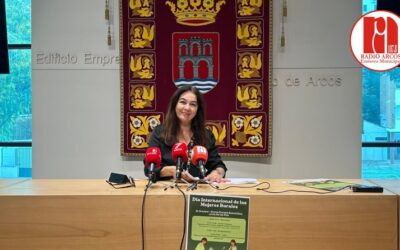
152,160
199,159
179,155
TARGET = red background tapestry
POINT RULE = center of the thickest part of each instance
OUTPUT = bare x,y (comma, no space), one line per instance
223,47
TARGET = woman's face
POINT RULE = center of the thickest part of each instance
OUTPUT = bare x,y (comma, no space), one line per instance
186,108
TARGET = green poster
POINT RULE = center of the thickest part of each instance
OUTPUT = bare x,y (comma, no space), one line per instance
324,184
217,222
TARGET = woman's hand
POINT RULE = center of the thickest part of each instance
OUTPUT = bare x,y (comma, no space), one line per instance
216,175
170,171
186,176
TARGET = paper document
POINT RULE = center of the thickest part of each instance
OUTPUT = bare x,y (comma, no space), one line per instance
325,184
242,181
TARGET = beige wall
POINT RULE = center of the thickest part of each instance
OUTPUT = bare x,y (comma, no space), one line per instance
76,104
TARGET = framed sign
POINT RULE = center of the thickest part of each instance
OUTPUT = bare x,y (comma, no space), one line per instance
217,222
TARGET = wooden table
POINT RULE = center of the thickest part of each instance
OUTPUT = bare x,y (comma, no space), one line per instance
391,185
90,214
5,183
394,187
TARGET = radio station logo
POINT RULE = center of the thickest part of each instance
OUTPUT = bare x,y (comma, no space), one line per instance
374,40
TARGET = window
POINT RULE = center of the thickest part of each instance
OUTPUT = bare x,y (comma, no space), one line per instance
381,120
381,125
15,94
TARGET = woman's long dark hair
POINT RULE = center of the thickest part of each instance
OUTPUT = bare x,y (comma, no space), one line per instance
171,122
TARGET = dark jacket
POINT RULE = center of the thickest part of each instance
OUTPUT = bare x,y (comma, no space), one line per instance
214,159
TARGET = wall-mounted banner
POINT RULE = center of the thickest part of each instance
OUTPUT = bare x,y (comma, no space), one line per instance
222,47
217,222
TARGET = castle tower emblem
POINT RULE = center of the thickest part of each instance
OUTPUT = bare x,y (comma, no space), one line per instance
195,59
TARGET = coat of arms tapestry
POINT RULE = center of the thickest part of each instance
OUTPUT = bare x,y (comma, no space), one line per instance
223,47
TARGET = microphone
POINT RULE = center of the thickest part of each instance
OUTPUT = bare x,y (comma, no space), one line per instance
199,158
179,155
152,160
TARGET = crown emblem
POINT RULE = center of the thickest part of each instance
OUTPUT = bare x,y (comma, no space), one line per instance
195,12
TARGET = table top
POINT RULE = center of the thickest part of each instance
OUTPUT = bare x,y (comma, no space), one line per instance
48,187
5,183
390,185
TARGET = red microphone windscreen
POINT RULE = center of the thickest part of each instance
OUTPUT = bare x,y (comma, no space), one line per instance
153,155
199,153
180,150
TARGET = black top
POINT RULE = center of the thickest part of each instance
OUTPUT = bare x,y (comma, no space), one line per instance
214,159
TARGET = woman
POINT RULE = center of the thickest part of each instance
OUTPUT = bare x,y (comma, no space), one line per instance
201,245
185,123
233,245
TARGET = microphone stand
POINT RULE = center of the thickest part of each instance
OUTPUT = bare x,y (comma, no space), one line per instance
193,186
148,185
196,181
178,173
152,179
175,182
